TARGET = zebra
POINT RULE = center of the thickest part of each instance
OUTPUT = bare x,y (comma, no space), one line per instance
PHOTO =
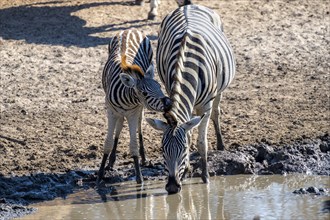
154,6
129,85
196,64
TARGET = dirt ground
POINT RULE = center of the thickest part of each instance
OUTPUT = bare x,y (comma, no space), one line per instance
53,121
52,54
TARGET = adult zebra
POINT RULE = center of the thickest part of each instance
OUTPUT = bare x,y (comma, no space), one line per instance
196,63
129,85
154,6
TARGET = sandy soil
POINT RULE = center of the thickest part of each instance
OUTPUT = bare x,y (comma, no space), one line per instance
275,115
52,54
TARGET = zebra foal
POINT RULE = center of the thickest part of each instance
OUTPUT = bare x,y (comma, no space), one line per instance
196,63
128,84
154,6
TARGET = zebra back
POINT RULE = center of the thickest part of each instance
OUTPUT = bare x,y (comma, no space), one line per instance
131,52
195,60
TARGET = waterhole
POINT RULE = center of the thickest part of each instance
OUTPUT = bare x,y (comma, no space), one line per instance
225,197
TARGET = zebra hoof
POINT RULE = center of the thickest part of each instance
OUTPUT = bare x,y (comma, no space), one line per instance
145,162
220,144
139,2
152,16
139,180
100,183
99,180
205,179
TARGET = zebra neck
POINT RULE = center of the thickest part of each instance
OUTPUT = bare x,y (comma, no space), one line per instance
183,85
181,107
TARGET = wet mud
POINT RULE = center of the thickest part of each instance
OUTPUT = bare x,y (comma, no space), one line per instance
306,156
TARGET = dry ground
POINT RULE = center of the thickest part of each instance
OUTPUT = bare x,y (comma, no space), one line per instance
52,54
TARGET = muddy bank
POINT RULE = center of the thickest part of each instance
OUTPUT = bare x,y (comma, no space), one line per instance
304,156
9,210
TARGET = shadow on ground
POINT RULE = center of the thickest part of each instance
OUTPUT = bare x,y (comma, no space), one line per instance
55,25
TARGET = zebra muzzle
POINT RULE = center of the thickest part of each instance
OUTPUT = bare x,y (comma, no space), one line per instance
167,103
173,186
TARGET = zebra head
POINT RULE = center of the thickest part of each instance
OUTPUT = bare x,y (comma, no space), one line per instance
147,90
175,147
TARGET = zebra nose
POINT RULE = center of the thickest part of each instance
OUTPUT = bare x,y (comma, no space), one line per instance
172,189
173,186
167,102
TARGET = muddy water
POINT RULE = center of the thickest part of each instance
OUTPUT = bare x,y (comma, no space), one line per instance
229,197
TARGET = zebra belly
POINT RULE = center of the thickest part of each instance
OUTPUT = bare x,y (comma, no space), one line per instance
121,99
122,111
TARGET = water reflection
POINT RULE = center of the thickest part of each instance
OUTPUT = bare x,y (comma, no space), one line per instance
230,197
271,197
191,203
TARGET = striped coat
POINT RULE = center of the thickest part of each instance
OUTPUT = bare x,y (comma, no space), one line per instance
196,63
129,85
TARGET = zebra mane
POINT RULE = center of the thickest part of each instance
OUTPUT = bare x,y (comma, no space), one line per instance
132,68
171,115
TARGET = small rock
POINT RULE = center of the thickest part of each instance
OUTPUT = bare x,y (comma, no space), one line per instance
24,112
279,68
324,147
276,167
263,153
322,190
310,151
93,147
265,163
300,191
312,189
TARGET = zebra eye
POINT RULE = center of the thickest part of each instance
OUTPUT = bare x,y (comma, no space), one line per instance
144,93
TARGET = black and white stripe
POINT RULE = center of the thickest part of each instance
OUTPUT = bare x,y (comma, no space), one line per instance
129,85
196,63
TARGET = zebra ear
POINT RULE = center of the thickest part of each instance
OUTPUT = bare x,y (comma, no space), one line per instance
127,80
157,124
192,123
150,73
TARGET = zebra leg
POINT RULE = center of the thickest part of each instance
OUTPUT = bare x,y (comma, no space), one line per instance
216,122
142,151
133,120
202,144
112,158
153,9
108,144
184,2
188,168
